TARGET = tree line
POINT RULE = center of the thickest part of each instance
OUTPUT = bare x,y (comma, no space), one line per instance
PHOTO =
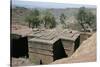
35,19
84,17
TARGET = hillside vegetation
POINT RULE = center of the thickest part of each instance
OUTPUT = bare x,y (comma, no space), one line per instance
19,15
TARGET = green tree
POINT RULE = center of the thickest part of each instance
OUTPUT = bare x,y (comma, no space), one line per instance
85,17
49,20
29,20
81,17
91,18
33,18
62,20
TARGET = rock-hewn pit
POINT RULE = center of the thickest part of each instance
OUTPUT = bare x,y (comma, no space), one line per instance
85,53
46,46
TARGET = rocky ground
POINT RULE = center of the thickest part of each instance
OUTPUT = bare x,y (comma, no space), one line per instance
20,62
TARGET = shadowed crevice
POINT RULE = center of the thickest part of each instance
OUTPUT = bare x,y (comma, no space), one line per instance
58,50
19,47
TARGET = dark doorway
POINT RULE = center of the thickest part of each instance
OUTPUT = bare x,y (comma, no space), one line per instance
41,62
58,50
77,43
19,47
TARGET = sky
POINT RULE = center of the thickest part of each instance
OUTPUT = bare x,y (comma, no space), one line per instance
34,4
